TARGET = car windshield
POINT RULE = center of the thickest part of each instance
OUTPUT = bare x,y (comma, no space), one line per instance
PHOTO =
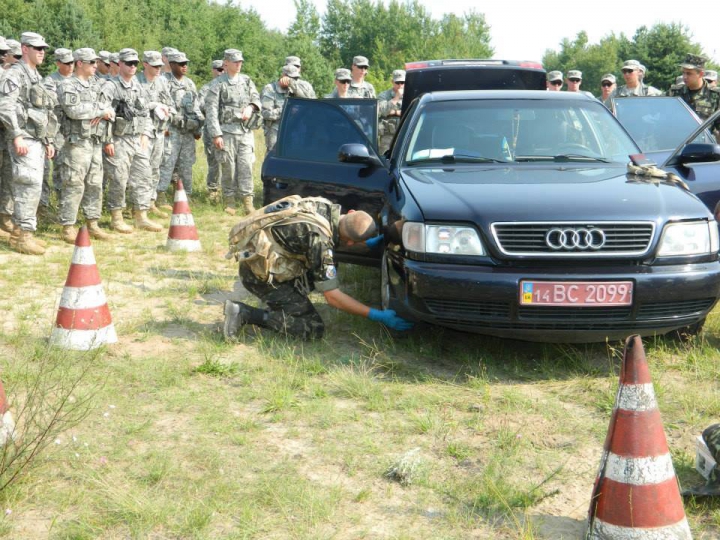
658,124
518,130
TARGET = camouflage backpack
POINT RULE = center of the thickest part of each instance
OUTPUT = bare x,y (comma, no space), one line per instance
252,242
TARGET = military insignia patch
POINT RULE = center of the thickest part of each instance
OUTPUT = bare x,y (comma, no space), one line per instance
330,272
8,86
71,99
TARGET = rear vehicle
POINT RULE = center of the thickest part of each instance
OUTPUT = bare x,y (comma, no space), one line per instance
511,213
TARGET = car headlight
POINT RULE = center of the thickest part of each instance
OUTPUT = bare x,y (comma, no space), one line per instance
693,238
441,239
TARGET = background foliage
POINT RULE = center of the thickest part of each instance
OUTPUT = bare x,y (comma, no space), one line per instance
389,33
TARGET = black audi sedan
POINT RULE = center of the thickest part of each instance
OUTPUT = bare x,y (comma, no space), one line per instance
510,213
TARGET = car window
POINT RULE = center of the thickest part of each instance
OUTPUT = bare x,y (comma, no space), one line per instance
658,124
314,130
520,130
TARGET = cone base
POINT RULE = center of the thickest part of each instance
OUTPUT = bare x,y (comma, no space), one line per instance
183,245
82,340
605,531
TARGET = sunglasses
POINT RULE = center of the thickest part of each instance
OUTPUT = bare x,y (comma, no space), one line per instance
131,63
401,83
344,82
67,63
90,62
17,56
574,80
219,70
556,83
38,49
363,67
181,64
606,84
626,71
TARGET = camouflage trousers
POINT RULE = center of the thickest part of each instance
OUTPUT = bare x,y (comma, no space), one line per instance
81,171
26,186
129,162
156,151
6,201
271,134
385,141
236,160
179,156
52,173
289,311
213,174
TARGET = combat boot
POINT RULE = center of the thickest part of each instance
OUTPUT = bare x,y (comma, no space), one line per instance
156,211
69,234
23,242
142,222
162,202
235,318
96,232
247,202
230,206
6,223
117,223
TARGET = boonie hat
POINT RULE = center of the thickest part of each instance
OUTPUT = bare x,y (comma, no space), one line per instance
104,56
574,74
177,57
608,77
167,50
85,54
152,58
15,48
217,64
291,71
631,64
115,57
399,75
128,55
360,61
233,55
694,61
32,39
64,56
294,60
343,74
554,76
710,75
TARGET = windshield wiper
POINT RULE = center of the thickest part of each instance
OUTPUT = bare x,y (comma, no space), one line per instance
457,158
563,158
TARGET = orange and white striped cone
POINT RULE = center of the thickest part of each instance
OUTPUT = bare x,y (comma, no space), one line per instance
83,319
182,235
636,494
7,423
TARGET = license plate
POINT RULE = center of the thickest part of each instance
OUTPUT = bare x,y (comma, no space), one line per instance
576,293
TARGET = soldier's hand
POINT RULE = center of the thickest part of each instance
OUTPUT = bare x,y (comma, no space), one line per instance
50,151
284,81
110,150
389,319
219,143
21,149
247,112
95,121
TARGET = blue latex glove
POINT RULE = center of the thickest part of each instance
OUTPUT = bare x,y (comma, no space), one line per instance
389,319
375,241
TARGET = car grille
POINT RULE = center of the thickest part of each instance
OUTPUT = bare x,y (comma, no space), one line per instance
621,238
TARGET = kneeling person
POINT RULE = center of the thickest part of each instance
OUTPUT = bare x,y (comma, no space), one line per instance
285,250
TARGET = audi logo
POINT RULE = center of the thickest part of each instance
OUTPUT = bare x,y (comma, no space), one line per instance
575,239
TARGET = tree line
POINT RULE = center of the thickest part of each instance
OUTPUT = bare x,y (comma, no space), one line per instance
388,33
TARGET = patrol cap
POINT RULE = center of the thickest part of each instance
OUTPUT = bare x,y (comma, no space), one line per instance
177,57
167,50
294,60
710,75
574,74
3,44
128,55
291,71
343,74
64,56
642,69
33,40
631,64
152,58
398,75
85,54
217,64
693,61
360,61
104,56
608,77
554,76
115,58
233,55
15,48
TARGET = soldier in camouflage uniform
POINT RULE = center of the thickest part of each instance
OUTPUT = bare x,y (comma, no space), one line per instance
633,84
389,107
114,69
342,83
161,109
15,54
80,163
65,66
273,99
166,71
302,250
127,154
232,106
711,78
607,85
185,126
696,92
103,66
6,206
213,175
305,86
26,111
359,87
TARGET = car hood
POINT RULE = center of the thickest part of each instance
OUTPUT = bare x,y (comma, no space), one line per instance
525,192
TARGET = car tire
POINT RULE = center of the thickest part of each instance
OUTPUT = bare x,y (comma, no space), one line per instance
686,333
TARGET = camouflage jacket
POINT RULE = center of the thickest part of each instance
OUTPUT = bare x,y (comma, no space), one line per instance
27,106
273,99
116,90
81,102
157,93
704,101
225,102
306,88
183,92
363,90
640,90
388,124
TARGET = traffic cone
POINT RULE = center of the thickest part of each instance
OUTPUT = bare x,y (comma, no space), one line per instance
83,319
182,235
7,423
636,494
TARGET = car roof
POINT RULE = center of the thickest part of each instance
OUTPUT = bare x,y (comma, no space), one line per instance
459,95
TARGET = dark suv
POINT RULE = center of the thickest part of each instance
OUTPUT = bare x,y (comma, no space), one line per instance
509,212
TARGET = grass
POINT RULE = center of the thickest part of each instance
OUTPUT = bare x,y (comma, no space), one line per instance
188,436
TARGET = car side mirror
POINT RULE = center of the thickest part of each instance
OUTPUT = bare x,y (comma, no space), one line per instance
699,153
357,153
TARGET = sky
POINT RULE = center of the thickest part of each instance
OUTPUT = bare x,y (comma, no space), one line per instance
525,29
